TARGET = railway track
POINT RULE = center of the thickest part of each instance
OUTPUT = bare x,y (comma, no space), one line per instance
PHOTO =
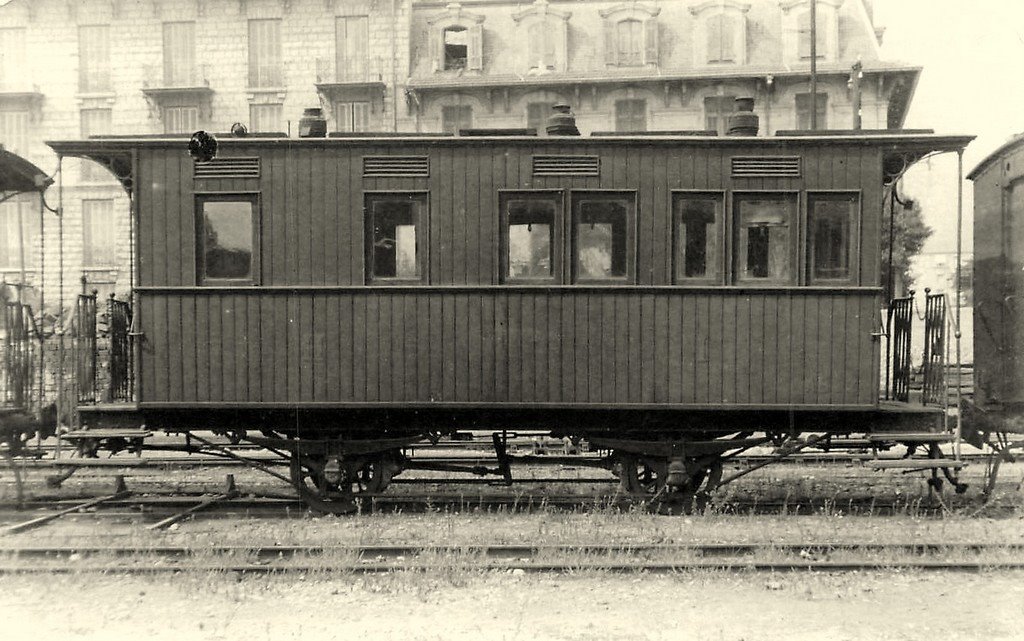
370,559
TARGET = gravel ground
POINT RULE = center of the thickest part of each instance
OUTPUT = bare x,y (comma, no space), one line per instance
498,605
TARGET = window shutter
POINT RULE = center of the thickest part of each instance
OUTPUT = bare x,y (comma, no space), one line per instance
651,41
435,42
476,47
340,47
714,26
727,26
804,35
343,116
610,45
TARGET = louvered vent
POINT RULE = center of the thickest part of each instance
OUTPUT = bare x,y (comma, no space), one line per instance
766,167
228,168
396,166
566,166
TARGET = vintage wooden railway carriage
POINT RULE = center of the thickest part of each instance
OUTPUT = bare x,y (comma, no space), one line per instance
669,298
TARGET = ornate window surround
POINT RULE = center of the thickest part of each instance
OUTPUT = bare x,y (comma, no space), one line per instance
828,16
541,12
454,16
707,10
643,13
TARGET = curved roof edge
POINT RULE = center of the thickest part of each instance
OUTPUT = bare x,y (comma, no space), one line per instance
19,175
1016,140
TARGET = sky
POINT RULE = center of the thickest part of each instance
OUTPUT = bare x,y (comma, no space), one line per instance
972,53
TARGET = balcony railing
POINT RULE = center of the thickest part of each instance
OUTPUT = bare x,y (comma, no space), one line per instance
157,76
361,70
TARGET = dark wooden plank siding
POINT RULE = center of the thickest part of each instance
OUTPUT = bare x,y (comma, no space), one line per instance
516,339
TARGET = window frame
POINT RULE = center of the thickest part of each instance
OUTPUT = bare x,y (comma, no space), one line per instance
178,42
355,67
721,234
796,199
853,241
88,226
576,196
558,243
422,238
266,58
255,199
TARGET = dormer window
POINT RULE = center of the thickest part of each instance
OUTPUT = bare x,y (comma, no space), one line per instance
546,32
721,32
796,27
456,40
631,35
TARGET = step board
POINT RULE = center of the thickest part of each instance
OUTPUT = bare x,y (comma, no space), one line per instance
916,464
910,437
106,433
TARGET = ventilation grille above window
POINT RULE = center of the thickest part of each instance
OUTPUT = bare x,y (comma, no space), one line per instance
396,166
228,168
566,166
766,167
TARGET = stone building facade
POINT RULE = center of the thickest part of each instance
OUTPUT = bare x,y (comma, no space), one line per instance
73,68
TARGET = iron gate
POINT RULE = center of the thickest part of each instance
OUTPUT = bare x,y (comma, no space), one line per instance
901,313
121,375
932,370
19,359
85,347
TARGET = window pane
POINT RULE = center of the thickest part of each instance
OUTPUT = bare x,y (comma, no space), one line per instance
392,251
764,247
531,238
600,239
456,47
94,58
179,54
630,36
227,239
99,234
832,222
697,236
265,53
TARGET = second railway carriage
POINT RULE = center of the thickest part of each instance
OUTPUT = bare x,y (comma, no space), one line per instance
672,299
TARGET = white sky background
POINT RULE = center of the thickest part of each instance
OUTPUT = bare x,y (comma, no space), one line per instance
973,83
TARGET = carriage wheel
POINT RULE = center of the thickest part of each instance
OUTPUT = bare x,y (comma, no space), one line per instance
641,475
646,476
331,486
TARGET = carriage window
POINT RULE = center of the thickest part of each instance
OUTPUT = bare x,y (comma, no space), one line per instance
764,238
697,221
832,225
531,236
602,236
227,238
392,243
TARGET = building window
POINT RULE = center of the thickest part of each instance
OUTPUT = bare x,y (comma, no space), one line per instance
352,116
181,119
537,115
394,225
265,53
456,39
95,122
456,117
227,238
803,111
456,48
602,237
99,234
19,234
94,58
721,38
12,59
541,45
764,238
804,39
180,54
631,35
531,241
14,131
266,118
717,110
833,225
352,47
631,115
697,220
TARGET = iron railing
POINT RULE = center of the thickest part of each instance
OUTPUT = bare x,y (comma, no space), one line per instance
20,355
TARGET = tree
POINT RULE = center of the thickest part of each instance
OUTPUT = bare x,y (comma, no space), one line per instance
909,235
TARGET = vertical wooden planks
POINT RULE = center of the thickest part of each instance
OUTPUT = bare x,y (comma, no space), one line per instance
647,347
371,345
502,365
609,345
255,341
539,340
760,357
567,343
675,356
581,388
798,342
460,365
623,302
595,335
730,332
660,328
708,383
474,338
447,322
783,372
216,382
515,346
241,364
488,369
158,383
